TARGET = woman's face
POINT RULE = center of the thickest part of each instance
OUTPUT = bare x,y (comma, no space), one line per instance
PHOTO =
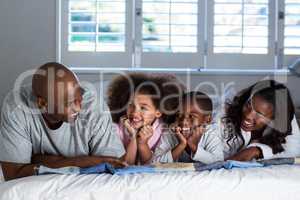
141,111
257,113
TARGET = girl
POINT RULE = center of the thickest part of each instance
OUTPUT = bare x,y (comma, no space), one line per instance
258,122
139,114
194,137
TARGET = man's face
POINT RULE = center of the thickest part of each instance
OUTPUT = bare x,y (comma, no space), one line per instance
72,105
66,104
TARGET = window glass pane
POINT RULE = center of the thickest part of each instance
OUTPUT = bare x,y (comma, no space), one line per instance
170,26
82,42
292,27
97,25
241,26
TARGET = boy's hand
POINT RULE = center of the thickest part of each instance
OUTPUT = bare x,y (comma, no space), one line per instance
194,139
132,131
145,134
180,136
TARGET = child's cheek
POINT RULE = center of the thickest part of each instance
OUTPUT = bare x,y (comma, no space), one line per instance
148,117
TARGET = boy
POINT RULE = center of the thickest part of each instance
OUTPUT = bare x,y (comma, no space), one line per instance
194,137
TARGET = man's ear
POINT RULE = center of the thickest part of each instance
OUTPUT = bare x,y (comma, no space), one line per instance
41,103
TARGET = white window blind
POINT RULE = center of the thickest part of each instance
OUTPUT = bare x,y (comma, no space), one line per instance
241,26
97,25
172,33
95,33
170,25
292,27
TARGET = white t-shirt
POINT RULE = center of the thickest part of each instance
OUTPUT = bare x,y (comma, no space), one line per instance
23,131
209,148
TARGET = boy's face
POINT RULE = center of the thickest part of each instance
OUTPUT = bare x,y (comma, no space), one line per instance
190,117
141,111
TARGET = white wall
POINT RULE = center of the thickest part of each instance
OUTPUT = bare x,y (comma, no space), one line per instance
27,40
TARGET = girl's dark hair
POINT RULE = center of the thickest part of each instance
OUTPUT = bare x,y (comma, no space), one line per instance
165,91
274,134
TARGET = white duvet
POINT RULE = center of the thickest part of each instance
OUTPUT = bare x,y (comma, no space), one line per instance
276,182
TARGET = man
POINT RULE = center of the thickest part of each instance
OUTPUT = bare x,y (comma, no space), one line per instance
57,123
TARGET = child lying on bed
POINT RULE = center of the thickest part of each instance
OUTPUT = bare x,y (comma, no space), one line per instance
194,138
141,125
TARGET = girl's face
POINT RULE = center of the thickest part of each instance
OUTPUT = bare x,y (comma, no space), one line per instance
257,113
190,117
141,111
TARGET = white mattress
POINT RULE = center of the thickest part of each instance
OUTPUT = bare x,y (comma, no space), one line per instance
276,182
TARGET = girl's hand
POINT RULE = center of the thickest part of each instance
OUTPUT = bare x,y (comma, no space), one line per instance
145,134
132,131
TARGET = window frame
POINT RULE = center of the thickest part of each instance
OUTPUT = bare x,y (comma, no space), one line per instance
174,60
204,58
286,60
240,61
92,59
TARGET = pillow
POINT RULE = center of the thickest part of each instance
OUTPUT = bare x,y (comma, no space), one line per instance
1,175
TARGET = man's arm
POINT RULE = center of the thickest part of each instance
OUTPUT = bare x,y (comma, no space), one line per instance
15,170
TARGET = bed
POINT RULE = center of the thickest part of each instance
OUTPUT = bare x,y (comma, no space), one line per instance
274,182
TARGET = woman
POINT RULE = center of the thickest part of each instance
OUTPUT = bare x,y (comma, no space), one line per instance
258,121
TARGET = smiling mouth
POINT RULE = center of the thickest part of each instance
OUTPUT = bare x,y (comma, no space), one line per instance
135,122
186,131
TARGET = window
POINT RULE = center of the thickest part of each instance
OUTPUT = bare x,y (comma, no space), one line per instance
96,26
171,33
239,31
94,33
292,30
170,26
241,26
179,33
292,27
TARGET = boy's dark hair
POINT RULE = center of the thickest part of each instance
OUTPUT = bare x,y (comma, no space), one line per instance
202,100
165,92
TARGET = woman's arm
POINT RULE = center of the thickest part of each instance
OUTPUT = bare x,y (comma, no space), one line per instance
247,154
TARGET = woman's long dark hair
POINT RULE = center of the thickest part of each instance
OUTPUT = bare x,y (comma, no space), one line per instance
273,134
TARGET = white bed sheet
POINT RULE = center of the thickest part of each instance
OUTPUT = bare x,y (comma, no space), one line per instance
276,182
